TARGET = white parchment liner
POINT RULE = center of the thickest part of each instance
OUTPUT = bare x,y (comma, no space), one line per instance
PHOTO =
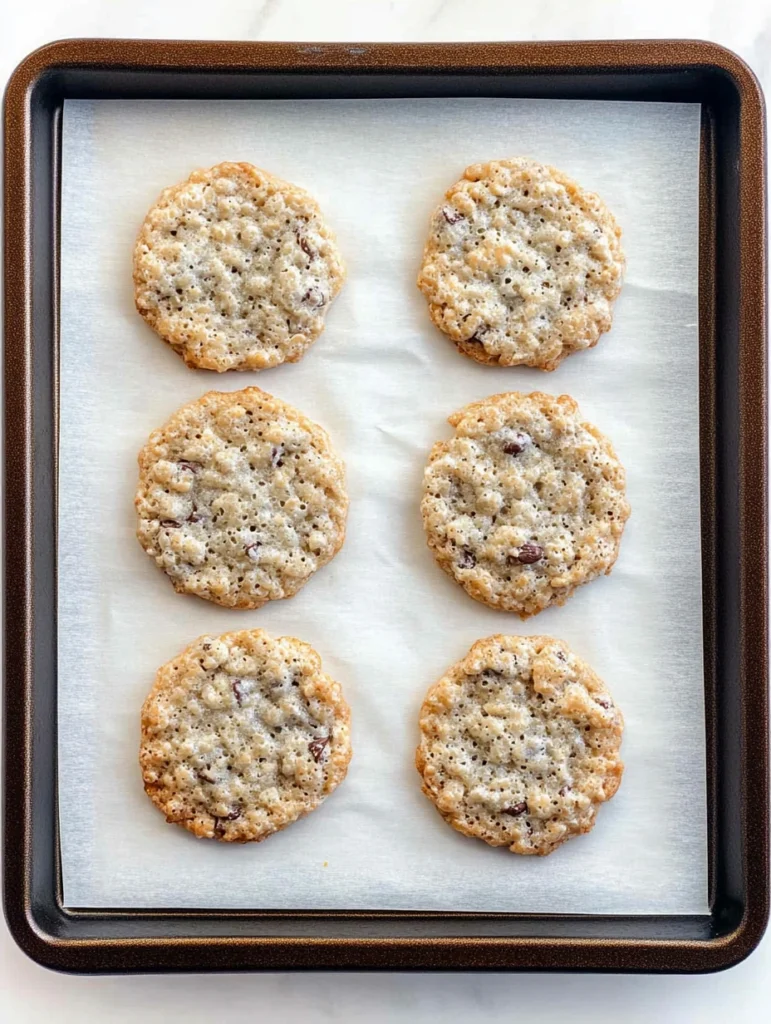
386,621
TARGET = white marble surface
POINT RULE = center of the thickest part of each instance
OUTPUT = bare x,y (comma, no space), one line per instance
30,994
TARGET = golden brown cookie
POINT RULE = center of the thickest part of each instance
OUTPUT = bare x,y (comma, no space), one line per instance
236,269
521,266
241,498
242,734
525,503
520,744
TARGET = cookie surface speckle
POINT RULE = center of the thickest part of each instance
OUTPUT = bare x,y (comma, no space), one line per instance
521,266
525,503
241,498
242,734
520,744
236,269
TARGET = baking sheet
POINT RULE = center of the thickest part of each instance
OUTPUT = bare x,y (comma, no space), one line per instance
385,619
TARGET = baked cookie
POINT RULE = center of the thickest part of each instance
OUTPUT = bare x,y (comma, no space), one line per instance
235,269
241,498
521,266
525,503
242,734
520,744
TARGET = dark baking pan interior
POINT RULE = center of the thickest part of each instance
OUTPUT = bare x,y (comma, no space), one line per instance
733,490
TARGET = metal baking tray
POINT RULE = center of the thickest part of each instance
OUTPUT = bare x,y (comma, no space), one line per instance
733,426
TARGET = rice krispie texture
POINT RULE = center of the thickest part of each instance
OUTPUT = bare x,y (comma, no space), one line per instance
236,269
525,503
241,498
521,266
520,744
242,734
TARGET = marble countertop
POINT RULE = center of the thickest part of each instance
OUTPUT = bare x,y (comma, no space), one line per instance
30,994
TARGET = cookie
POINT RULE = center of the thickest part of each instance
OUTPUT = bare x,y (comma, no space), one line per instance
236,269
525,503
241,498
242,734
520,744
521,266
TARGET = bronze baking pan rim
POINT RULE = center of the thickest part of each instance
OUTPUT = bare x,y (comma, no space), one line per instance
734,515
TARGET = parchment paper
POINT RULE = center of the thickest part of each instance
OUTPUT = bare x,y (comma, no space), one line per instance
385,619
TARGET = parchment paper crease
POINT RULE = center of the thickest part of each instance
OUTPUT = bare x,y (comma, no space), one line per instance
385,619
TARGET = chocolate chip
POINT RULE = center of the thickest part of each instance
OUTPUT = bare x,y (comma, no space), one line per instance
277,456
516,810
565,790
192,466
467,559
314,298
526,555
603,702
238,691
317,747
170,523
476,337
204,776
303,243
219,827
195,517
251,550
207,647
561,656
517,444
451,216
